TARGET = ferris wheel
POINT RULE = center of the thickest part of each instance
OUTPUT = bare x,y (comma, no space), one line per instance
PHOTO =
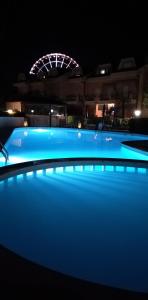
53,61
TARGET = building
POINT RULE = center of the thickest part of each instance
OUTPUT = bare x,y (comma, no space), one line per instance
106,92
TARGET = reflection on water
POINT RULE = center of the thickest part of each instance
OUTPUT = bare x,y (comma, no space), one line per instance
17,142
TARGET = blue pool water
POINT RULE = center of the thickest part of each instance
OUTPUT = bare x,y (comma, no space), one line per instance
89,221
38,143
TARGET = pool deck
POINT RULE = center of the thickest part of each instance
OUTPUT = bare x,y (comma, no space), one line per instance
5,133
141,145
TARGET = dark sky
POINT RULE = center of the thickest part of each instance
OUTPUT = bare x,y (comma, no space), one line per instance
90,32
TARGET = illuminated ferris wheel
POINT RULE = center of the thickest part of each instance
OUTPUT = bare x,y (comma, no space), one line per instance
49,63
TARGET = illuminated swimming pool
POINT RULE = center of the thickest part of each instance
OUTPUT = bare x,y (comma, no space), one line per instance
87,220
83,216
27,144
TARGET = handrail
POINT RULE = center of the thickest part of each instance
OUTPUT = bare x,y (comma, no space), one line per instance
4,151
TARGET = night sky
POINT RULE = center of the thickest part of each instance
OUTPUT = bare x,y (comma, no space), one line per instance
90,32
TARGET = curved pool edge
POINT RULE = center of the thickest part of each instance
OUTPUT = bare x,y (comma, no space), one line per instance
22,167
134,148
17,271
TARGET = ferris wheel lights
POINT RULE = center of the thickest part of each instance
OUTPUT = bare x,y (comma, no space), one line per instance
53,60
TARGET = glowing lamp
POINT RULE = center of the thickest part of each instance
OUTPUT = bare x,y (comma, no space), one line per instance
10,111
102,71
79,125
137,113
25,123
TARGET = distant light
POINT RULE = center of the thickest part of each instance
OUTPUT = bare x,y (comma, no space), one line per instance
51,110
58,58
79,125
102,71
25,125
32,110
10,112
137,113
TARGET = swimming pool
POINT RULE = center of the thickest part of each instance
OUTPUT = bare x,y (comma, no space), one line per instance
27,144
83,219
73,212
